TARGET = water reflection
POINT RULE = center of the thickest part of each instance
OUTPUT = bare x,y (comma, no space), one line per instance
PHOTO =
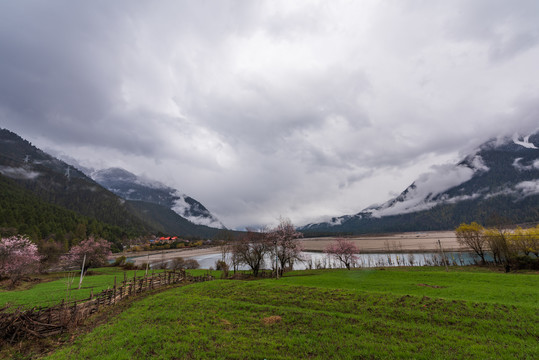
315,260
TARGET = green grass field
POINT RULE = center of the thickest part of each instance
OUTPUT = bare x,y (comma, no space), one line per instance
55,287
408,313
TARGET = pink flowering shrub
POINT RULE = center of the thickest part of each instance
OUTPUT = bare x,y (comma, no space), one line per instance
18,257
97,252
343,250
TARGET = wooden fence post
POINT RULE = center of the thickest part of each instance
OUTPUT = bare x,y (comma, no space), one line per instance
114,292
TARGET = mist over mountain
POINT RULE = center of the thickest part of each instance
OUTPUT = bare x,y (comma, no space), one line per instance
500,179
43,196
131,187
56,182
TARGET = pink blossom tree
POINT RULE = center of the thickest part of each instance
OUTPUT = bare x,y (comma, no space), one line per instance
97,252
284,245
343,250
18,257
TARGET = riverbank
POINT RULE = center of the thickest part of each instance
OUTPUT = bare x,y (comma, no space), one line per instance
164,255
411,242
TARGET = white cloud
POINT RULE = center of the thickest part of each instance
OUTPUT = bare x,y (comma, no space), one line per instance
260,109
421,195
18,173
528,187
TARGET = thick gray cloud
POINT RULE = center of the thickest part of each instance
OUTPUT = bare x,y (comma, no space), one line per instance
260,109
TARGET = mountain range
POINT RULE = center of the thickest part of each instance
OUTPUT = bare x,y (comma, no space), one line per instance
499,181
44,197
128,186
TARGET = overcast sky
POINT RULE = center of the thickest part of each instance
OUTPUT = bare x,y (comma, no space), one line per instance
261,109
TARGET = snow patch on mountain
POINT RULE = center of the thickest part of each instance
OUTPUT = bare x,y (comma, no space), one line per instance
424,193
195,213
141,188
505,167
524,141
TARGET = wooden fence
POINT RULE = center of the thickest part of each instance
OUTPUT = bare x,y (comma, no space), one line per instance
47,321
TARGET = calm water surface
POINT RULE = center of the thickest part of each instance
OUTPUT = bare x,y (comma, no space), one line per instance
320,260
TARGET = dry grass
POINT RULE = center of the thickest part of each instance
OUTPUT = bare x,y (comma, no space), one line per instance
270,320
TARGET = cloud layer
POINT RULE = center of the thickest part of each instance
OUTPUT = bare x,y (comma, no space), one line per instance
261,109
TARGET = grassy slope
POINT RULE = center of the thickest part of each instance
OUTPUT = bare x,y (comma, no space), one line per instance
53,292
457,284
332,314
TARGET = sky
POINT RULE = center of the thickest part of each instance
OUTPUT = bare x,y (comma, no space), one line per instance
269,109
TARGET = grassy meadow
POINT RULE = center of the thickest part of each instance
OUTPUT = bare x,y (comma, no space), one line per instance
53,288
396,313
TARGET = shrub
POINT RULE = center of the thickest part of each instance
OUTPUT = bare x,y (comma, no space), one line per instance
191,264
129,265
223,266
119,261
524,263
177,263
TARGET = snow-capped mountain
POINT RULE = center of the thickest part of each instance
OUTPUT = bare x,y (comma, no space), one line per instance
55,186
132,187
500,178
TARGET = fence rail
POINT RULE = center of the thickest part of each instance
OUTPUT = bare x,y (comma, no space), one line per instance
41,322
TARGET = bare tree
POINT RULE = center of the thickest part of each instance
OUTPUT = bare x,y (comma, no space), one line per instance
250,250
472,236
525,241
496,239
285,246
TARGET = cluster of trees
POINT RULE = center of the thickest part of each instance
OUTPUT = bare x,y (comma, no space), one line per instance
23,212
505,246
19,256
279,244
278,248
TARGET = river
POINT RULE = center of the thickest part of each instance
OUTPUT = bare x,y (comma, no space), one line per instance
313,260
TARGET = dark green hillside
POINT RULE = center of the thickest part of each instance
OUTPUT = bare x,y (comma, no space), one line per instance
43,196
55,182
128,186
23,212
